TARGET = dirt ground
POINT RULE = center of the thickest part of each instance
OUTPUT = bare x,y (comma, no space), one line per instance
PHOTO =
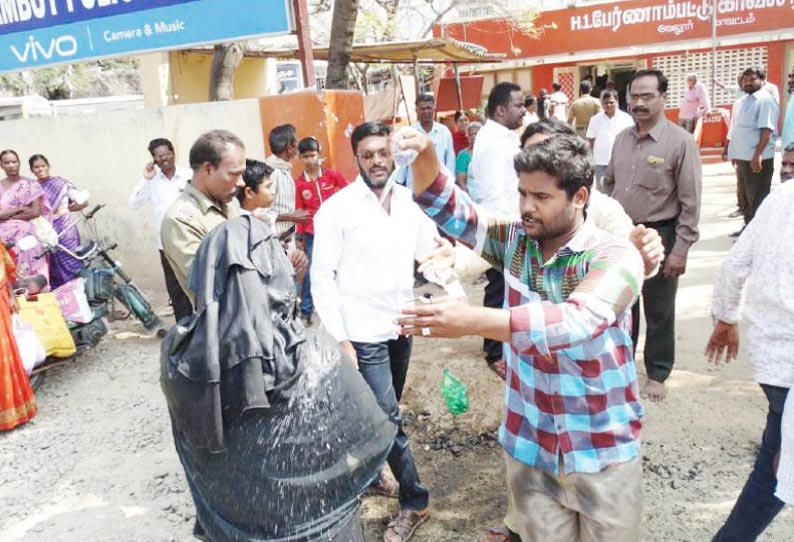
98,463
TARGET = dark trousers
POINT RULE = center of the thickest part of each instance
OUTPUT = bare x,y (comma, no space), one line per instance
307,305
755,186
384,366
179,300
658,305
494,297
757,505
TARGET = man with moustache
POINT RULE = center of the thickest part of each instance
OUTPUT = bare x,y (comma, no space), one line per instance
655,173
762,261
367,238
572,456
752,143
217,159
494,179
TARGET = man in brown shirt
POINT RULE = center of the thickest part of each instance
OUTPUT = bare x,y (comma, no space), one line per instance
655,173
583,109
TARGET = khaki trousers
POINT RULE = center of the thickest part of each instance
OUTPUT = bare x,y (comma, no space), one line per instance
602,507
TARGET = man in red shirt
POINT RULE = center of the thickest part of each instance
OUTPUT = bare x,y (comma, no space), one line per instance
312,187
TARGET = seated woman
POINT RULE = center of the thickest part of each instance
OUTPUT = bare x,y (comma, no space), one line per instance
60,195
21,202
17,403
277,431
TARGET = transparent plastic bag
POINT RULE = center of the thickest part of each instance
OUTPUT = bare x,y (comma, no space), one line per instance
454,392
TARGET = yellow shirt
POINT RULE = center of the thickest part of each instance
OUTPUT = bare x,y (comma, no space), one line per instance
582,110
186,223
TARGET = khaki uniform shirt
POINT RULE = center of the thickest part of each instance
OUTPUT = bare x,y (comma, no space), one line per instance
582,110
658,177
185,225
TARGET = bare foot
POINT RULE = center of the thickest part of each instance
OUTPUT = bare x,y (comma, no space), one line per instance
654,390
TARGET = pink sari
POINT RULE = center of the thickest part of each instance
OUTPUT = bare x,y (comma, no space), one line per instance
21,193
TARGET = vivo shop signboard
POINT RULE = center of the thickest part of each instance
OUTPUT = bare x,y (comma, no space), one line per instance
36,33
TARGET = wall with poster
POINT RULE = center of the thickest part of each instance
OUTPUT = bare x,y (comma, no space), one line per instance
35,33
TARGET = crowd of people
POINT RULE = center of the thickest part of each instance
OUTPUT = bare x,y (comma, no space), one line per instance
585,215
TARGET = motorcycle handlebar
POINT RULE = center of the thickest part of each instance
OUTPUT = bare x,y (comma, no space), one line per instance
90,214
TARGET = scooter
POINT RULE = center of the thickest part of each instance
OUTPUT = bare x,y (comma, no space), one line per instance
110,292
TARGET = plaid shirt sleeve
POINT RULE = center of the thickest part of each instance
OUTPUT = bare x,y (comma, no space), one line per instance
458,216
610,286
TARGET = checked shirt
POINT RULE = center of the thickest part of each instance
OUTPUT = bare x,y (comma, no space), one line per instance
572,384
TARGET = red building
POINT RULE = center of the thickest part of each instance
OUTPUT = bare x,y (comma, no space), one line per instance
609,41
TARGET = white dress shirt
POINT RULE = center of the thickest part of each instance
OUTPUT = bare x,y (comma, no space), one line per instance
762,257
362,270
603,130
492,171
284,201
161,192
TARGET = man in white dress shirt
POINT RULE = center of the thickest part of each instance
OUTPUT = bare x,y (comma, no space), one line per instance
438,134
362,274
495,180
161,184
601,132
761,258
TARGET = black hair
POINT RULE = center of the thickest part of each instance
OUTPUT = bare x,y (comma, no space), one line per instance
458,115
38,157
255,174
423,98
210,146
547,126
661,80
308,144
585,87
565,157
755,70
9,151
160,142
500,95
529,100
281,137
556,86
609,92
365,130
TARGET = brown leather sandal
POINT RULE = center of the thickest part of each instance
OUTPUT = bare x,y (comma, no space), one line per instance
401,528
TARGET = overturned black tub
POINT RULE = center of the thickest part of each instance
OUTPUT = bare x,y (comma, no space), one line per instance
278,435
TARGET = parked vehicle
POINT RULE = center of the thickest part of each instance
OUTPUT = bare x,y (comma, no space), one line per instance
110,292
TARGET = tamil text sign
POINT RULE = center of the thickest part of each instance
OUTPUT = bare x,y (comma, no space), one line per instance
625,24
35,33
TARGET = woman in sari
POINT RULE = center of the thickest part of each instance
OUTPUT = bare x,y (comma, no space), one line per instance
57,190
21,201
17,404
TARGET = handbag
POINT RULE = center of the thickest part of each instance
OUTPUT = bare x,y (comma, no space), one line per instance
30,349
44,314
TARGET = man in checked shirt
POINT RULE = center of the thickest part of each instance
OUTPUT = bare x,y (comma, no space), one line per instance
571,424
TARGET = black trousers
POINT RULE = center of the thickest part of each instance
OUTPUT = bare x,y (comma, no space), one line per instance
755,186
494,297
658,305
179,299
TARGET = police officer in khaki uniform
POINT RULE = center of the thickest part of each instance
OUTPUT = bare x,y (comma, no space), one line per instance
217,159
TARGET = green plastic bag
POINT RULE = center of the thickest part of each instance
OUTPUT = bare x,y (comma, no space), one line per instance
454,392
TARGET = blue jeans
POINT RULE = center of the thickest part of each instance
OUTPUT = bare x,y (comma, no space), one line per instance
307,305
384,366
757,505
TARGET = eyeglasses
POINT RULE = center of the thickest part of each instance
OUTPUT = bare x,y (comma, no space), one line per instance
368,156
647,97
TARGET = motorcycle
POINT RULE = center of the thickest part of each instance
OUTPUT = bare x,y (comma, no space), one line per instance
110,292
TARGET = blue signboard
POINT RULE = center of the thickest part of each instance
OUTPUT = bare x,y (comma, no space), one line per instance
36,33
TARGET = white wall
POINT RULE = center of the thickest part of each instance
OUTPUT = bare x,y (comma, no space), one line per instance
105,153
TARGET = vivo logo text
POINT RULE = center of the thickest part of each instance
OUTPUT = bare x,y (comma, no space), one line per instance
34,50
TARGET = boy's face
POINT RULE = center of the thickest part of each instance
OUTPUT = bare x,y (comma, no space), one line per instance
311,160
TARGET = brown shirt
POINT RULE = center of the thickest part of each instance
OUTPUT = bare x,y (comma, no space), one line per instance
582,110
658,177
